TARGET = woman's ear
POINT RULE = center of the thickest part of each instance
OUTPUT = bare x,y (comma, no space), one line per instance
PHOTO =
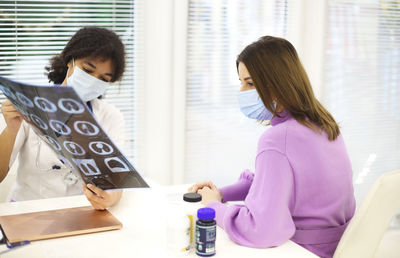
70,70
278,107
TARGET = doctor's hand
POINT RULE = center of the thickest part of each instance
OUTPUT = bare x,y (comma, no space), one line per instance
12,116
101,199
208,191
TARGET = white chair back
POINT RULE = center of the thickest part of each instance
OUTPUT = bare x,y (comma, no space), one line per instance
372,218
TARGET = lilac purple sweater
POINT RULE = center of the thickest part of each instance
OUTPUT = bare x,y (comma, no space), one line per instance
301,190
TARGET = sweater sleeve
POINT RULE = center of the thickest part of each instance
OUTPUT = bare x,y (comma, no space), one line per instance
239,190
265,220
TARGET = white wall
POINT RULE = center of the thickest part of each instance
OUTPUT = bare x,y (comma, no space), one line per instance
155,95
307,35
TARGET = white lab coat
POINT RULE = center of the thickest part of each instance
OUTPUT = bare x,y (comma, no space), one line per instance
35,179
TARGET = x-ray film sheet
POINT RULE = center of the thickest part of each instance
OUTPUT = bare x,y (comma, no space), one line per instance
59,116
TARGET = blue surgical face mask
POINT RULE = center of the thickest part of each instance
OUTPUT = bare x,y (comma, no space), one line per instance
252,106
88,87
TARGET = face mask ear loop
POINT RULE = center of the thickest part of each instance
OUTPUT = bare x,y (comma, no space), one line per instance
73,64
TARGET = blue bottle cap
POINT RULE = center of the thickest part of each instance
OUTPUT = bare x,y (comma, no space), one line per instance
206,213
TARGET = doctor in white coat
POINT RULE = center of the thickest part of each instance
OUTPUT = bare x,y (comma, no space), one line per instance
92,59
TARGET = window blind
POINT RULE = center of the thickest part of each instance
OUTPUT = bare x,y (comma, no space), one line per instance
362,84
32,31
219,140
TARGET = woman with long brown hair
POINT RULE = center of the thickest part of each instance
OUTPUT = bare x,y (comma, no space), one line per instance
302,186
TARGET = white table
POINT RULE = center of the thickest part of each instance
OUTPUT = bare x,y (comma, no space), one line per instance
142,213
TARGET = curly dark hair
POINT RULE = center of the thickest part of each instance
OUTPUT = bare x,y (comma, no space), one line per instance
89,42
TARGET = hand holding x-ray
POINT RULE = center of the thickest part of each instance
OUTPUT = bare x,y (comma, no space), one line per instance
11,115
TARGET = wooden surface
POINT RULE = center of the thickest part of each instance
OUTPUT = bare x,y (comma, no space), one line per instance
57,223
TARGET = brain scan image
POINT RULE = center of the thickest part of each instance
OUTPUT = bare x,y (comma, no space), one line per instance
115,164
59,127
74,148
39,122
45,105
24,100
70,106
86,128
101,148
87,166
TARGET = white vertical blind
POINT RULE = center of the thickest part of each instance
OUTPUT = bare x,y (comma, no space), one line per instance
32,31
362,84
219,140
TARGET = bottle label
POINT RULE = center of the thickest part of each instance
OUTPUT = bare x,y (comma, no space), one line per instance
205,240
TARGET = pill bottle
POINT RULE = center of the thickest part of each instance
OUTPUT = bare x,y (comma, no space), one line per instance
192,202
178,234
206,232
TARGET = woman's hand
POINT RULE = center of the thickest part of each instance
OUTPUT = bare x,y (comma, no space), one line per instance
209,195
101,199
194,188
12,116
208,191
